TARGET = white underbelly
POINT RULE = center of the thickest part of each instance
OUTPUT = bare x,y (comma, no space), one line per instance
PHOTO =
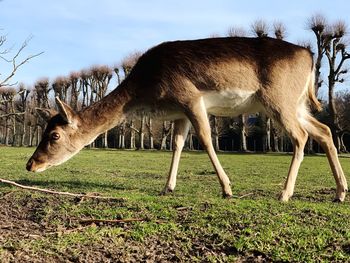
228,103
231,103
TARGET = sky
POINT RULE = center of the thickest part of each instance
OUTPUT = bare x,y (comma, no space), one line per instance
76,35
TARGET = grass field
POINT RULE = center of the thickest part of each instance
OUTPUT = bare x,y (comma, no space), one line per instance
194,224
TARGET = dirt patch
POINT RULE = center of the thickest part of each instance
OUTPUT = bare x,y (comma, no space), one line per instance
34,228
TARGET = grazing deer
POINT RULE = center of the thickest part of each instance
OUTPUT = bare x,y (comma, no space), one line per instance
186,80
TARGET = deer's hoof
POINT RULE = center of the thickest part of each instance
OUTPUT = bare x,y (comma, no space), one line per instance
284,197
166,191
227,196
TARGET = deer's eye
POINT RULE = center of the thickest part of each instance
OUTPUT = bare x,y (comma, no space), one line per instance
55,136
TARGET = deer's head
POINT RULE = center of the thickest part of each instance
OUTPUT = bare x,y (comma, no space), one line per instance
61,139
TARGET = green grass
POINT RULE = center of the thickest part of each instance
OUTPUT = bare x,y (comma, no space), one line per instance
194,224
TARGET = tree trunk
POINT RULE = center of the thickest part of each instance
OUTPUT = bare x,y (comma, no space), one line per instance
132,135
105,140
268,147
343,147
281,143
7,133
275,137
275,141
150,133
163,143
310,146
243,133
38,135
215,134
30,142
164,136
190,140
14,131
122,136
24,131
141,132
333,113
165,133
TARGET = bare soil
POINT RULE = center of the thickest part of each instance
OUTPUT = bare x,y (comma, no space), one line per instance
27,229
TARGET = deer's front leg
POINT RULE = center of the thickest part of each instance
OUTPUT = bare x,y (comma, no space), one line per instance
181,128
199,118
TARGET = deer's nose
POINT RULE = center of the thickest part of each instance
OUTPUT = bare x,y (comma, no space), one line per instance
29,164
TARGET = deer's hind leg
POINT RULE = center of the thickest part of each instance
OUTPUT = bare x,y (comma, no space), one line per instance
298,136
285,113
322,134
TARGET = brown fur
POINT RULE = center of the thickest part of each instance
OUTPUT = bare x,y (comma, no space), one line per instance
182,78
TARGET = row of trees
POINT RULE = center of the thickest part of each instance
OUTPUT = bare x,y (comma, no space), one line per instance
21,125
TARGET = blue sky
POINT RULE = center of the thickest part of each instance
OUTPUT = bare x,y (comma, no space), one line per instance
78,34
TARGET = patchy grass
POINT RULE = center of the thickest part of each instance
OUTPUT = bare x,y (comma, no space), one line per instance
192,225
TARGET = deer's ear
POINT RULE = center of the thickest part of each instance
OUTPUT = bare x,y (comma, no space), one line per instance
65,111
46,114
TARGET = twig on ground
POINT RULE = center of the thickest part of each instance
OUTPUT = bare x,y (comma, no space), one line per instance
111,221
245,195
31,188
68,231
182,208
117,221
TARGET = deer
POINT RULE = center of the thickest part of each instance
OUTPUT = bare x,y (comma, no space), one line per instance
185,81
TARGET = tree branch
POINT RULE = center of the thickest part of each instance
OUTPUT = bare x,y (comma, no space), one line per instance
15,68
11,114
328,55
31,188
344,57
14,63
133,128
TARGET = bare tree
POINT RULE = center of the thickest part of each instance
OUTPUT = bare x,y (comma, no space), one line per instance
41,92
60,86
132,133
22,107
7,97
102,76
318,24
149,125
76,88
330,42
279,30
343,102
121,133
166,130
14,61
127,64
237,32
260,28
129,61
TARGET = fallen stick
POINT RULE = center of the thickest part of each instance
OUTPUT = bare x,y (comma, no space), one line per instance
47,191
111,221
67,231
245,195
117,221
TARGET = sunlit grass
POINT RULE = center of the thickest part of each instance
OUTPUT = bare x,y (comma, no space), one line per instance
194,223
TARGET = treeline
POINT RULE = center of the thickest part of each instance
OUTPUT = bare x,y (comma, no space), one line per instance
21,125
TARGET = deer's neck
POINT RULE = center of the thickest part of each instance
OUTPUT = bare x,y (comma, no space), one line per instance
105,114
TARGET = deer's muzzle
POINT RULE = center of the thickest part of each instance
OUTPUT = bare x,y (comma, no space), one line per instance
35,166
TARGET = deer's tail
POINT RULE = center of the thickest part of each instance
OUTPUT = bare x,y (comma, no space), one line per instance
315,104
